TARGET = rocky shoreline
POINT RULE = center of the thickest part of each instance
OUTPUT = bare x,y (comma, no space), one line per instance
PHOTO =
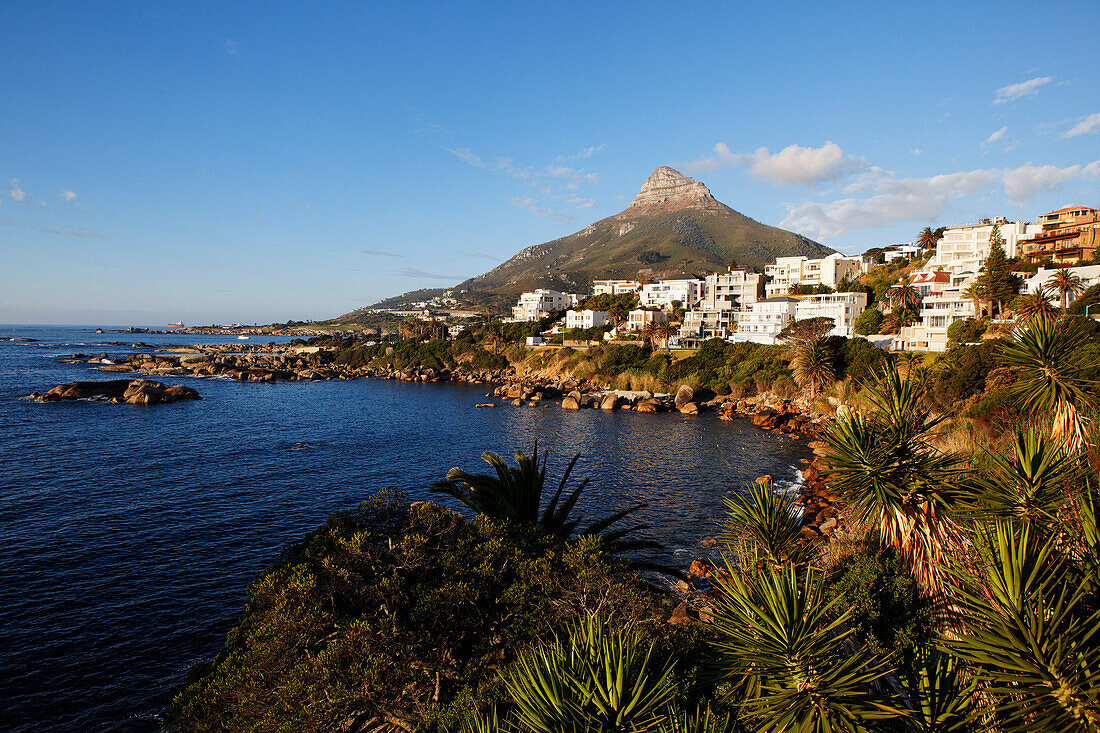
117,391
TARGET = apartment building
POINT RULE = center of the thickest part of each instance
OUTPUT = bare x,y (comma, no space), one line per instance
786,272
963,249
637,319
540,303
1066,236
661,293
1089,276
763,321
586,319
615,287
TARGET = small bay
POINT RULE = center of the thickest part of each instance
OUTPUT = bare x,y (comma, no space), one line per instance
131,533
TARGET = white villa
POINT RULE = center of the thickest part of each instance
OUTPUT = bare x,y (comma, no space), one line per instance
540,303
585,319
830,271
766,318
661,294
638,319
615,287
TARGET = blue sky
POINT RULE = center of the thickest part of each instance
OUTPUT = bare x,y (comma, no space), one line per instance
259,162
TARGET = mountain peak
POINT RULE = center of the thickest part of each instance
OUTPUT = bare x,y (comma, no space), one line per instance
669,186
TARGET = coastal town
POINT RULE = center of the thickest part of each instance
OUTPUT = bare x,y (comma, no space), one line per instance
944,281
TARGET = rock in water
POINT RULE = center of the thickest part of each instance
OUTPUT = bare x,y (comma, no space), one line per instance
571,404
684,395
134,392
610,402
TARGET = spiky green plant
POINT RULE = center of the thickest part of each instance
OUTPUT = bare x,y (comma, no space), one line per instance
702,719
941,699
893,480
812,365
1030,635
515,494
765,524
1052,381
1029,485
785,653
594,678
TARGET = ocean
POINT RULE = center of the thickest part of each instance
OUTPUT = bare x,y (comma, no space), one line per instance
131,534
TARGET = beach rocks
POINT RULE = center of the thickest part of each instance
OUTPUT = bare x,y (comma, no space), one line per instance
684,395
570,403
134,392
688,408
610,402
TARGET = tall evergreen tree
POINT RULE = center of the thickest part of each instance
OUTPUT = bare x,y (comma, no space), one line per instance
996,279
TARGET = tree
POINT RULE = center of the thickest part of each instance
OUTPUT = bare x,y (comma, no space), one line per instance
1065,283
666,331
1030,306
869,322
812,365
904,295
976,292
894,479
1053,367
515,494
996,278
927,238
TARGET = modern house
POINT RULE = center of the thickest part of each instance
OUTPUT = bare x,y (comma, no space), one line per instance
764,319
963,249
585,319
1067,235
830,271
615,287
661,293
1089,276
638,319
540,303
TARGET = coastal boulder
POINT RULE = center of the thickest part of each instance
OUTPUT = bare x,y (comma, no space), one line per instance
610,402
570,403
684,395
688,408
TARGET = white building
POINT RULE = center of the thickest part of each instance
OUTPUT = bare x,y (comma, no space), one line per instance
963,249
731,290
1089,276
540,303
638,319
786,272
661,293
585,319
843,308
764,319
900,252
614,287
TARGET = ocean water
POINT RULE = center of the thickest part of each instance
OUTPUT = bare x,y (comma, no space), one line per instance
130,534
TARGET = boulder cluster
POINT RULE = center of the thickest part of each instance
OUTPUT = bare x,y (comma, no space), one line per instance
274,363
133,392
580,394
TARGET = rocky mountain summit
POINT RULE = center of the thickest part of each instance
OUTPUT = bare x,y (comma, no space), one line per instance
669,188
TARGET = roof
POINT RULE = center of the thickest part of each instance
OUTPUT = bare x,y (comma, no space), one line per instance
1069,208
925,278
779,299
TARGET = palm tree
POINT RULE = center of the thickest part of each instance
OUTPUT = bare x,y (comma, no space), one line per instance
927,238
650,333
812,366
787,655
1065,283
975,292
1030,306
514,494
666,331
904,295
893,479
594,678
1031,634
1053,363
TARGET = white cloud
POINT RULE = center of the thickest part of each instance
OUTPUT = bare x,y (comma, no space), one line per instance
16,193
586,153
467,156
578,202
1024,183
1023,89
890,200
998,135
576,175
916,151
532,207
793,165
230,46
895,200
67,195
1085,126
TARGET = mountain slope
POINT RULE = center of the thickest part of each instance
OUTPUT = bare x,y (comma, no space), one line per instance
673,225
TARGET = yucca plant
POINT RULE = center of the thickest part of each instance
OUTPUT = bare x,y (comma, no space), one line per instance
941,699
594,678
1030,306
515,494
893,479
786,653
1029,485
703,719
766,524
1030,637
1052,381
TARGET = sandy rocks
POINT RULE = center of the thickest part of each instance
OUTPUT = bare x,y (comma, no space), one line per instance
134,392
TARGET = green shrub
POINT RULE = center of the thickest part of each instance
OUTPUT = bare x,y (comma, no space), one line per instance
967,331
869,322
